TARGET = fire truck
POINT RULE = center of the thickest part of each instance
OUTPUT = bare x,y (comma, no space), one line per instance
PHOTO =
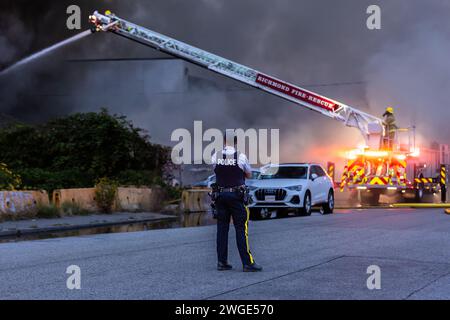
370,170
397,169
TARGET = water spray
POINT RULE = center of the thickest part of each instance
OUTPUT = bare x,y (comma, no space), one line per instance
45,51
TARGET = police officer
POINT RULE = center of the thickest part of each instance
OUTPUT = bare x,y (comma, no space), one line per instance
231,169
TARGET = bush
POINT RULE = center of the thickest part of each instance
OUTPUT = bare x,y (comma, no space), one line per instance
173,193
73,209
105,194
35,178
137,178
8,180
47,211
76,150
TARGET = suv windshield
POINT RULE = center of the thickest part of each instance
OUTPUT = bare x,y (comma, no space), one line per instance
284,173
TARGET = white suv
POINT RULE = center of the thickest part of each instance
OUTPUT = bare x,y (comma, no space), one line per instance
285,187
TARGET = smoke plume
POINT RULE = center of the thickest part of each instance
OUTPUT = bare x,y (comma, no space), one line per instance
323,45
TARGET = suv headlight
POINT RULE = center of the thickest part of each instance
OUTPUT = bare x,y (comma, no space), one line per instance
252,188
295,188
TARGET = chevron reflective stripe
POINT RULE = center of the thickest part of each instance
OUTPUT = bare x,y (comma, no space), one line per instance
343,179
351,166
379,181
402,163
331,170
423,180
359,174
443,175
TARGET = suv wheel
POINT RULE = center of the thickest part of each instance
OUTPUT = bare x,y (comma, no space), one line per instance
307,205
329,206
265,213
260,213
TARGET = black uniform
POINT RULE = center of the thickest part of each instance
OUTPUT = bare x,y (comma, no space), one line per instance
229,177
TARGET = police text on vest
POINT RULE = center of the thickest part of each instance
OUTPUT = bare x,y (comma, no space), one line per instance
226,162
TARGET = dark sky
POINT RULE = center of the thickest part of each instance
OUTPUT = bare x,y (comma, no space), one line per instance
405,64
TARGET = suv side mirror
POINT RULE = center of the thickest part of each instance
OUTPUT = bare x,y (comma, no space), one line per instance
314,176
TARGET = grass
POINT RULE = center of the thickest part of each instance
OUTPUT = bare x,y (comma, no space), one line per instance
47,211
73,209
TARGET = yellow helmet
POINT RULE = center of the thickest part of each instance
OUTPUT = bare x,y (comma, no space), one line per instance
390,110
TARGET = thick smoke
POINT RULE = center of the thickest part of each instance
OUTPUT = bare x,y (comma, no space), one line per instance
311,43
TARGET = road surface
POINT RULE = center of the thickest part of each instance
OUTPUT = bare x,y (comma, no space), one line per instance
316,257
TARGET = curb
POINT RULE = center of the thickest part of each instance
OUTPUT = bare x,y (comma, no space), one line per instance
362,207
24,232
420,205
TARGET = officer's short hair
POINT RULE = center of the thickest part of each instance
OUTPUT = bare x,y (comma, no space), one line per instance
229,135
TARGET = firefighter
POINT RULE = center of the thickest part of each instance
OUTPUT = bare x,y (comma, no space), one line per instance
231,169
390,127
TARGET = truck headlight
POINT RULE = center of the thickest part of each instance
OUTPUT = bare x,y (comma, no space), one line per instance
295,188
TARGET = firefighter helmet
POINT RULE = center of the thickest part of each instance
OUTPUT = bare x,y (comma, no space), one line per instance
390,110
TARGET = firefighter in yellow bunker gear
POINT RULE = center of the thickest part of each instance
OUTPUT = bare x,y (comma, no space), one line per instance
390,127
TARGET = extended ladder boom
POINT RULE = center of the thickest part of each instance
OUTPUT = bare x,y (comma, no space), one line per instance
348,115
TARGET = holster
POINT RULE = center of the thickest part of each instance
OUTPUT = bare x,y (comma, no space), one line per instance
244,192
214,195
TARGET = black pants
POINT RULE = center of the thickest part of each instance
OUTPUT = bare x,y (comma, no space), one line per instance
229,204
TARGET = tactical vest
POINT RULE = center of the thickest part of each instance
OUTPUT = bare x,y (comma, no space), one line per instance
228,173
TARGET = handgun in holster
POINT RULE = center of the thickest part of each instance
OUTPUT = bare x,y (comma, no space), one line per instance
214,195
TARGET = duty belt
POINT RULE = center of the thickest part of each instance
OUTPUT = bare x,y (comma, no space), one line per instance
231,189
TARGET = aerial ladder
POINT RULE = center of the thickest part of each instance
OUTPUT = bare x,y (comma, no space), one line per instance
348,115
393,166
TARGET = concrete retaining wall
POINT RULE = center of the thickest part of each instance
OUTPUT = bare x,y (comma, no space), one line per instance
19,203
139,199
194,200
128,199
83,197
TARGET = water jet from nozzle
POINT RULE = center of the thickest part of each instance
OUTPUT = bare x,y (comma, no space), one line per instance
45,51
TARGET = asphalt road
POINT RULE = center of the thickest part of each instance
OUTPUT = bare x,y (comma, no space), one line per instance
317,257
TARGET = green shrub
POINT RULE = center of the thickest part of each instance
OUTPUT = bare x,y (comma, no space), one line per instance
47,211
137,178
73,209
76,150
105,194
172,193
40,179
8,179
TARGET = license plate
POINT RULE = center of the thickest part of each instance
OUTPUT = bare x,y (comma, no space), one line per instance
270,198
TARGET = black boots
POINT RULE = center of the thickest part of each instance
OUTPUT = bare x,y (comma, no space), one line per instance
252,268
221,266
224,266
